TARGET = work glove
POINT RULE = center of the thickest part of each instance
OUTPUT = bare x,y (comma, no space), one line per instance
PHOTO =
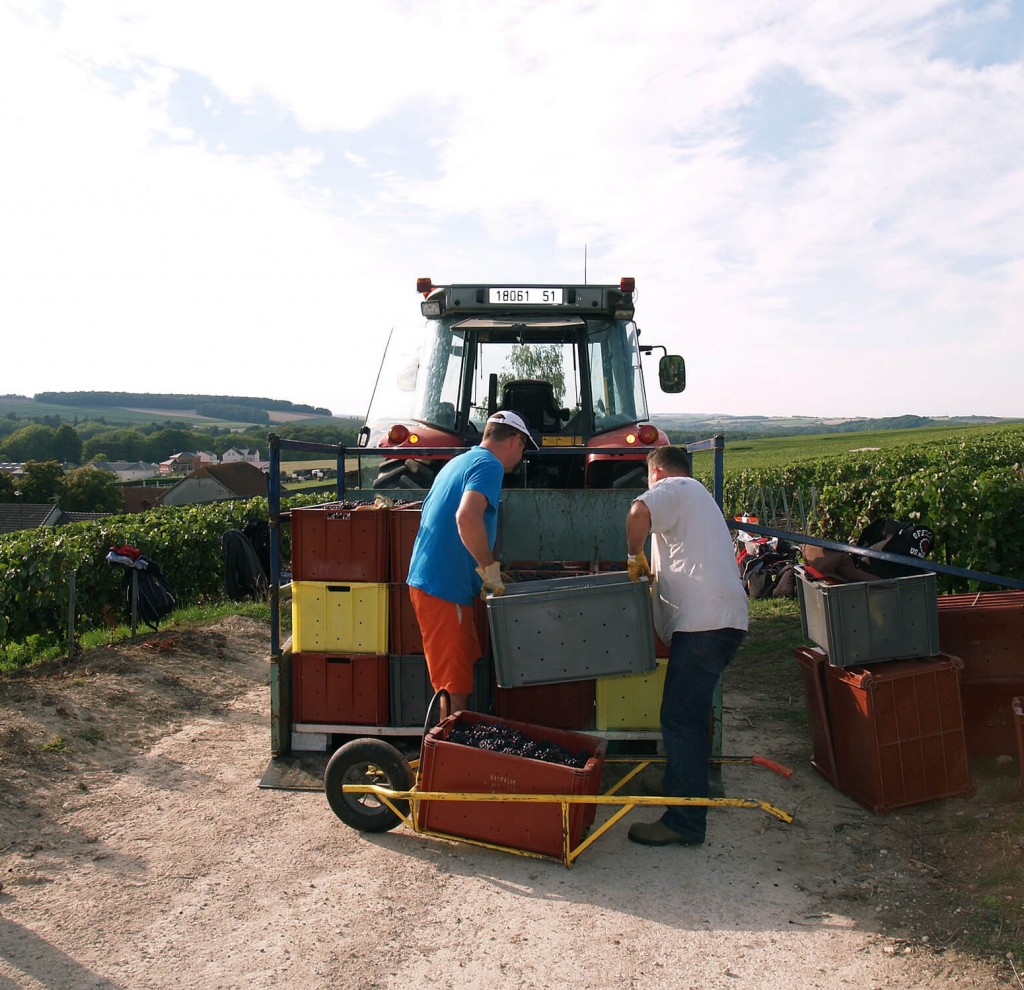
492,578
636,564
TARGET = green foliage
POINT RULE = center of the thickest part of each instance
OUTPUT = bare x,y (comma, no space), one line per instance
67,445
967,489
164,401
91,490
34,565
536,361
35,442
43,480
183,540
117,445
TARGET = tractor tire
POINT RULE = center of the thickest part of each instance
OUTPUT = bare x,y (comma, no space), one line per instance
409,475
367,761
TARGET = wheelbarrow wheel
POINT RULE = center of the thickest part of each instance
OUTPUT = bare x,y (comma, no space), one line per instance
367,761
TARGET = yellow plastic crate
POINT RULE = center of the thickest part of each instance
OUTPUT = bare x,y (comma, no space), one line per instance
632,701
346,617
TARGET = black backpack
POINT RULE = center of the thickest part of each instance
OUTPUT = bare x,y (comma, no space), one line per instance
156,596
244,576
909,539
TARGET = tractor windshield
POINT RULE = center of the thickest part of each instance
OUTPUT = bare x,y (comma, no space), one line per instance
616,378
568,376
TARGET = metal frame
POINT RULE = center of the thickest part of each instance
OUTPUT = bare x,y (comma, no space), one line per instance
611,797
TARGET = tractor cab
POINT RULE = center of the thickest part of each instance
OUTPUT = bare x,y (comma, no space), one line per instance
565,357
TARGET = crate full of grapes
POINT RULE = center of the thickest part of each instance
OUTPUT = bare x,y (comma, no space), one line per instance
473,753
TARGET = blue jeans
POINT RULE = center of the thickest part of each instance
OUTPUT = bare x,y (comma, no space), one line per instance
696,661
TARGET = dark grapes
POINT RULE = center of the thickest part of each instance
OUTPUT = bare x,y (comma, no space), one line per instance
505,739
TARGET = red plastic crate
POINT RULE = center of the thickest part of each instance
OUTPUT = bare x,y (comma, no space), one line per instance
339,542
341,689
813,663
558,706
987,632
1018,721
452,767
988,719
404,631
404,524
898,731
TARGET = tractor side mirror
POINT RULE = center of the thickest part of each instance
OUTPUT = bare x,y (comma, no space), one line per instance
672,373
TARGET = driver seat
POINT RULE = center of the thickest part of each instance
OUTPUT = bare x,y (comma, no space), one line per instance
534,400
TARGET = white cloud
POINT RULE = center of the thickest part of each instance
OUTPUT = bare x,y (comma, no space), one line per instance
265,236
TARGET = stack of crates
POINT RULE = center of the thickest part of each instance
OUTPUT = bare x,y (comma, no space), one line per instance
411,690
631,701
886,719
340,670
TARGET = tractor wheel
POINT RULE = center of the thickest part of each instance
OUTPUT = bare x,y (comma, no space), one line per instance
411,474
367,761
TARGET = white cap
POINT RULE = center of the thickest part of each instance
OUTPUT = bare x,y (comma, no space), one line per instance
509,418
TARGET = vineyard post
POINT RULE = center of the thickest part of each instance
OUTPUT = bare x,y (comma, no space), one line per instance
135,602
72,579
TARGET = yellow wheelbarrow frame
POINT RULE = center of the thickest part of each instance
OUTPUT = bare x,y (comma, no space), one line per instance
404,803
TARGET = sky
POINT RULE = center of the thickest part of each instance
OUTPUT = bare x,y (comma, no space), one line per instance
822,203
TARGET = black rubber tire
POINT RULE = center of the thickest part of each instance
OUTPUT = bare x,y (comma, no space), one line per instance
410,474
367,761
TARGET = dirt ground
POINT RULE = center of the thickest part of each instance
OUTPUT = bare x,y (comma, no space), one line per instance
138,851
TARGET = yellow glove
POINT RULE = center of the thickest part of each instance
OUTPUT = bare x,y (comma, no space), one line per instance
636,564
492,579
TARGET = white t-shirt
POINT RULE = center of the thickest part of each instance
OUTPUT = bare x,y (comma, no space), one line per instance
697,584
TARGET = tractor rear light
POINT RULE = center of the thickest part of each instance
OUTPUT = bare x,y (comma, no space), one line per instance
414,438
424,285
398,434
627,284
431,308
630,438
647,433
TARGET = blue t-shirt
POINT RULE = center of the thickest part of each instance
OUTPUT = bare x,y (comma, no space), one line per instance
441,565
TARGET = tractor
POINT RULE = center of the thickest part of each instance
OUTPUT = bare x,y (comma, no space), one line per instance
566,357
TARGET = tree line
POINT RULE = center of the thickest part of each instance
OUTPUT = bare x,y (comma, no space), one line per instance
148,400
57,458
94,441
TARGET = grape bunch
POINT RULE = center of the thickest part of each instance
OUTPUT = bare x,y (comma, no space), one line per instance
505,739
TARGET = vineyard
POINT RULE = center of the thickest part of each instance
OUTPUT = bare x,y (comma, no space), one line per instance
968,488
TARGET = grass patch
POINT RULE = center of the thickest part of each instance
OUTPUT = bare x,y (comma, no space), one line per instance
91,735
56,744
35,650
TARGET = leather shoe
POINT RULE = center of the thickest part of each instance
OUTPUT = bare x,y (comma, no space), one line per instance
659,834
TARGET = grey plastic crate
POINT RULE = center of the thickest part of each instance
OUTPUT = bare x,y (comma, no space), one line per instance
411,690
571,629
870,621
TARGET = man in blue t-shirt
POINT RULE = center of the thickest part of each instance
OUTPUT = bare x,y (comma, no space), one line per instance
452,557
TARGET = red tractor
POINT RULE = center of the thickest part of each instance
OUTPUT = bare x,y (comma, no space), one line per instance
565,357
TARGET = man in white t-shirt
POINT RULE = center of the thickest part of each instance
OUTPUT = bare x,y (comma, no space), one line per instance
700,609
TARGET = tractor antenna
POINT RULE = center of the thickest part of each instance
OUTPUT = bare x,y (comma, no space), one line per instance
584,264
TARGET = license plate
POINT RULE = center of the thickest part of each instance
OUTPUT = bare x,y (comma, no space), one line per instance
549,297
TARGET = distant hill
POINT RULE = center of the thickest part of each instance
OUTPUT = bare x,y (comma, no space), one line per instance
751,427
209,406
237,412
132,408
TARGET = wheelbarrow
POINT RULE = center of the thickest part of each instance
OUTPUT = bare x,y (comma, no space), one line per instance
530,808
